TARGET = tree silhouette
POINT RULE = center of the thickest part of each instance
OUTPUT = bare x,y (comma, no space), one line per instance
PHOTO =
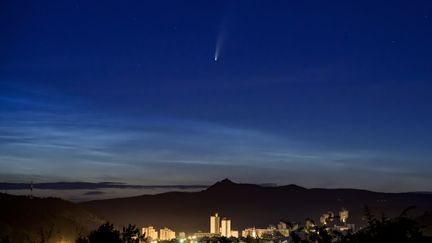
321,235
131,234
105,234
44,235
81,239
402,229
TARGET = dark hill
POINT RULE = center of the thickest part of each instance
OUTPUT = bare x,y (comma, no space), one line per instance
23,218
250,205
425,221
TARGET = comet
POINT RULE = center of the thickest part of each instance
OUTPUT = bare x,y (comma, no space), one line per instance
217,50
219,44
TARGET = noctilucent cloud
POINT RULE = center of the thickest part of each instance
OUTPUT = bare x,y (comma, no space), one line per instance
310,92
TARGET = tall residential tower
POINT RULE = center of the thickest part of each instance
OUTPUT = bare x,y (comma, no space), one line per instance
226,227
215,224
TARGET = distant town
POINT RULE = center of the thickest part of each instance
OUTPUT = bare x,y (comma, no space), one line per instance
222,227
128,220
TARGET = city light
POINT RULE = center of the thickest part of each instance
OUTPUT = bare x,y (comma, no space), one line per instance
222,228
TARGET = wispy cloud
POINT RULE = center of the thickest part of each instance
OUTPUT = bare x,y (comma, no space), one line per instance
90,185
83,146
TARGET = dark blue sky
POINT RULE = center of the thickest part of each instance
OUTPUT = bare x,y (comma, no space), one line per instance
318,93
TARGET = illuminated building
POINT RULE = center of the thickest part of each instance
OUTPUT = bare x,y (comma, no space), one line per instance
150,233
181,235
344,227
283,229
199,235
257,233
249,232
234,233
215,224
309,224
226,228
323,219
166,234
343,215
282,225
326,218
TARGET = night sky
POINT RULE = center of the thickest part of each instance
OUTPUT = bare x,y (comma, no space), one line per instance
317,93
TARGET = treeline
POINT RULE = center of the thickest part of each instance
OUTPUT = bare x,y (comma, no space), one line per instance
108,234
401,229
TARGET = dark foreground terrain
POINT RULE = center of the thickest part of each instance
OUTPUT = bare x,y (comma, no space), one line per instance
246,205
25,219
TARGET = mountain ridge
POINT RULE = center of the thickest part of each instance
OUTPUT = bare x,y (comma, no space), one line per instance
247,205
250,205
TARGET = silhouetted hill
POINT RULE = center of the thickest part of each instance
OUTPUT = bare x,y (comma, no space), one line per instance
23,218
250,205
